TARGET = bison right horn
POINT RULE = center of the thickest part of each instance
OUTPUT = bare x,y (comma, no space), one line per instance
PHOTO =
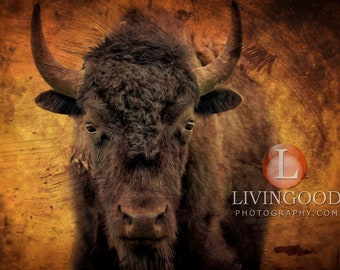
221,68
63,80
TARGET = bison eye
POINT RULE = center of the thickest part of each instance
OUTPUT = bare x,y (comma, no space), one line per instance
189,125
90,128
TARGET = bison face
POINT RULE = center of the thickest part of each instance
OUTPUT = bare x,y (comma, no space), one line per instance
134,129
135,133
134,104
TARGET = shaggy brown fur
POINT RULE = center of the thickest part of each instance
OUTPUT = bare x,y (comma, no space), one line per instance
142,200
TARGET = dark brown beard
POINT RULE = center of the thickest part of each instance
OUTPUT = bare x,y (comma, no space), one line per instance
146,258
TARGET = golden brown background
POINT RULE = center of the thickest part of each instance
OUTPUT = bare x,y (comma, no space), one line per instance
287,76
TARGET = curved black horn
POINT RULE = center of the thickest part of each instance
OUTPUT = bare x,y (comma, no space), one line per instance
62,80
221,68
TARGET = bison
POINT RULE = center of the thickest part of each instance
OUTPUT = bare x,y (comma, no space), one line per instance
142,197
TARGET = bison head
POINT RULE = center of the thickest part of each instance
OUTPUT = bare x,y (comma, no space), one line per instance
134,104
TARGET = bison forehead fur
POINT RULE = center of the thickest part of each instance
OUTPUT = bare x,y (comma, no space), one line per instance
140,78
141,201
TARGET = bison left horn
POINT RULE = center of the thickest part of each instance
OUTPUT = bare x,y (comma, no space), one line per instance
63,80
221,68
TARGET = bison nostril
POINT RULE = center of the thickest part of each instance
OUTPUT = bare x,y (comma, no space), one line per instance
160,218
127,219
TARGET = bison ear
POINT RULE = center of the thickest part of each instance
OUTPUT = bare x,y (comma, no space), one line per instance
57,103
219,100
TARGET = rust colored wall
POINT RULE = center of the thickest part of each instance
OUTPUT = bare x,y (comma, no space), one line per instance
287,76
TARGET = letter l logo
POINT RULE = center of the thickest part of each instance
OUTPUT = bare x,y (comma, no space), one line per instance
281,166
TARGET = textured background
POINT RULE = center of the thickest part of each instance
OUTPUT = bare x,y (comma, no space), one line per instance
287,76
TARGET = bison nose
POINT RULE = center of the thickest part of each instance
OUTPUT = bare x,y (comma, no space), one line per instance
143,223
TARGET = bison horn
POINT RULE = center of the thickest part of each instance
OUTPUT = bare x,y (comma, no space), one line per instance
221,68
62,80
